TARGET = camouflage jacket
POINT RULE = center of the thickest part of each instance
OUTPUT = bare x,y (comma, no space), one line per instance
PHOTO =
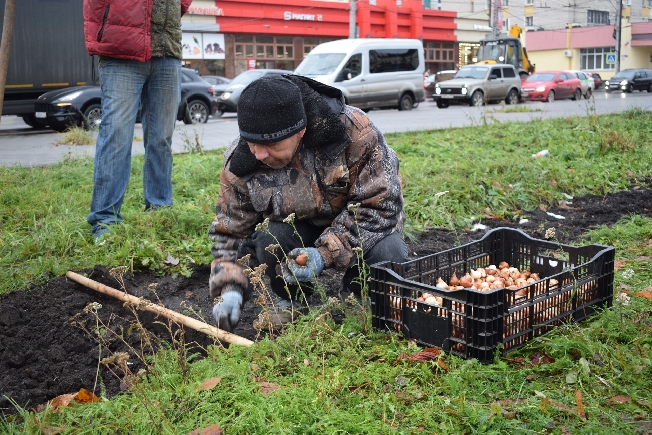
343,177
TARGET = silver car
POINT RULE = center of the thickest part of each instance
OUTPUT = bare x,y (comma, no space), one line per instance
477,84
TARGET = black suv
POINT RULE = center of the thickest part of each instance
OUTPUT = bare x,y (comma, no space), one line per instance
629,80
81,105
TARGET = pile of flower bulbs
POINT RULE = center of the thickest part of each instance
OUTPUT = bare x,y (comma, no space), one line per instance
486,279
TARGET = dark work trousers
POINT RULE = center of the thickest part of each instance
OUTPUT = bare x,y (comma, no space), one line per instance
391,248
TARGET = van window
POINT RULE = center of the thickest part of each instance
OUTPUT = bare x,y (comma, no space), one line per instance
509,73
354,64
393,60
319,64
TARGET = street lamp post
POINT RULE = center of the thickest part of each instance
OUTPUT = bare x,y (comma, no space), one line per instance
352,12
619,32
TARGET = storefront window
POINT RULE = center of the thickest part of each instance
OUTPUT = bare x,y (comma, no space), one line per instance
439,51
595,58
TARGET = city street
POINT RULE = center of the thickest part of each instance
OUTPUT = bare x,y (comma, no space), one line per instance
22,145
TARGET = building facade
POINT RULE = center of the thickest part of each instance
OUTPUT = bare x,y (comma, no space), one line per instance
227,37
582,35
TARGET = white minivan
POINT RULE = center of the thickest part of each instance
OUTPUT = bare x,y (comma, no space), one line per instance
370,72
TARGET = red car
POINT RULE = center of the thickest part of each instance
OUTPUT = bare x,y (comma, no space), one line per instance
596,79
550,86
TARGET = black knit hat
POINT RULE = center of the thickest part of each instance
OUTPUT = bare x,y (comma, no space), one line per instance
270,109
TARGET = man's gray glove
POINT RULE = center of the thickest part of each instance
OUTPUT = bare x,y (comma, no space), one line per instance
303,264
227,311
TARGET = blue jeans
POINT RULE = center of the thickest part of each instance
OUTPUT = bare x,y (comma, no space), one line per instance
127,85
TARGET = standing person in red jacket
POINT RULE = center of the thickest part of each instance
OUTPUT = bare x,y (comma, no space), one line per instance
139,44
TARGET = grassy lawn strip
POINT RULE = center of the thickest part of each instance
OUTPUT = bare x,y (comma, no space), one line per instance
325,378
485,170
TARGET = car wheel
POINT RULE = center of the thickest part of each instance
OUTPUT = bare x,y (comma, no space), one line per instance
577,95
477,99
405,103
629,89
442,104
589,93
551,96
512,97
92,117
196,112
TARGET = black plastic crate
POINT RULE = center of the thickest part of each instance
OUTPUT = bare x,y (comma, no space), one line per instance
472,323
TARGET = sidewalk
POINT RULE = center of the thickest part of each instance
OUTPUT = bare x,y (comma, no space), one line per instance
21,145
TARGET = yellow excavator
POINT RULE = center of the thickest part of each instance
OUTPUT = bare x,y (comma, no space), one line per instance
506,49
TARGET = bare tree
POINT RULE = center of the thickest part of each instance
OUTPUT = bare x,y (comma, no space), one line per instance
5,46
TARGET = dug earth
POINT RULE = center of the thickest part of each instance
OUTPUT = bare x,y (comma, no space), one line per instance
48,345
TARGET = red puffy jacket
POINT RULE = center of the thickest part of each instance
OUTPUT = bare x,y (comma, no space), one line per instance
120,28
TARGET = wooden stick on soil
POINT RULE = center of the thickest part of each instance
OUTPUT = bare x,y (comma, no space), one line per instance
144,304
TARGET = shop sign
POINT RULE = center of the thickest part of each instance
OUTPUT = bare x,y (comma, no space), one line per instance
482,27
302,17
213,11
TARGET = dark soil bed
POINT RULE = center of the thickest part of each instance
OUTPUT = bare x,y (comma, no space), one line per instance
47,344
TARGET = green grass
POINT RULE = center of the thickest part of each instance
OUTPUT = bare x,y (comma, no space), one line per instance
333,378
516,109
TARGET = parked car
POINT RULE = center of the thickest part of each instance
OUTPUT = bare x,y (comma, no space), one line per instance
597,80
82,105
475,84
432,79
587,83
629,80
216,80
228,100
550,86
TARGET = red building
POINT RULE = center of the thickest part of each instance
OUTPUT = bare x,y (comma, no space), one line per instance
226,37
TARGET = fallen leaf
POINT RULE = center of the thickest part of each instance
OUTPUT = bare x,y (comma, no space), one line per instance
509,415
306,363
536,358
618,264
85,396
619,400
62,400
188,293
208,384
580,405
553,183
52,430
543,207
173,261
571,377
496,408
208,430
564,205
268,387
429,354
442,365
644,294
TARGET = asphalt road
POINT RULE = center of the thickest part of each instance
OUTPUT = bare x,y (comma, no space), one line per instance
24,146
